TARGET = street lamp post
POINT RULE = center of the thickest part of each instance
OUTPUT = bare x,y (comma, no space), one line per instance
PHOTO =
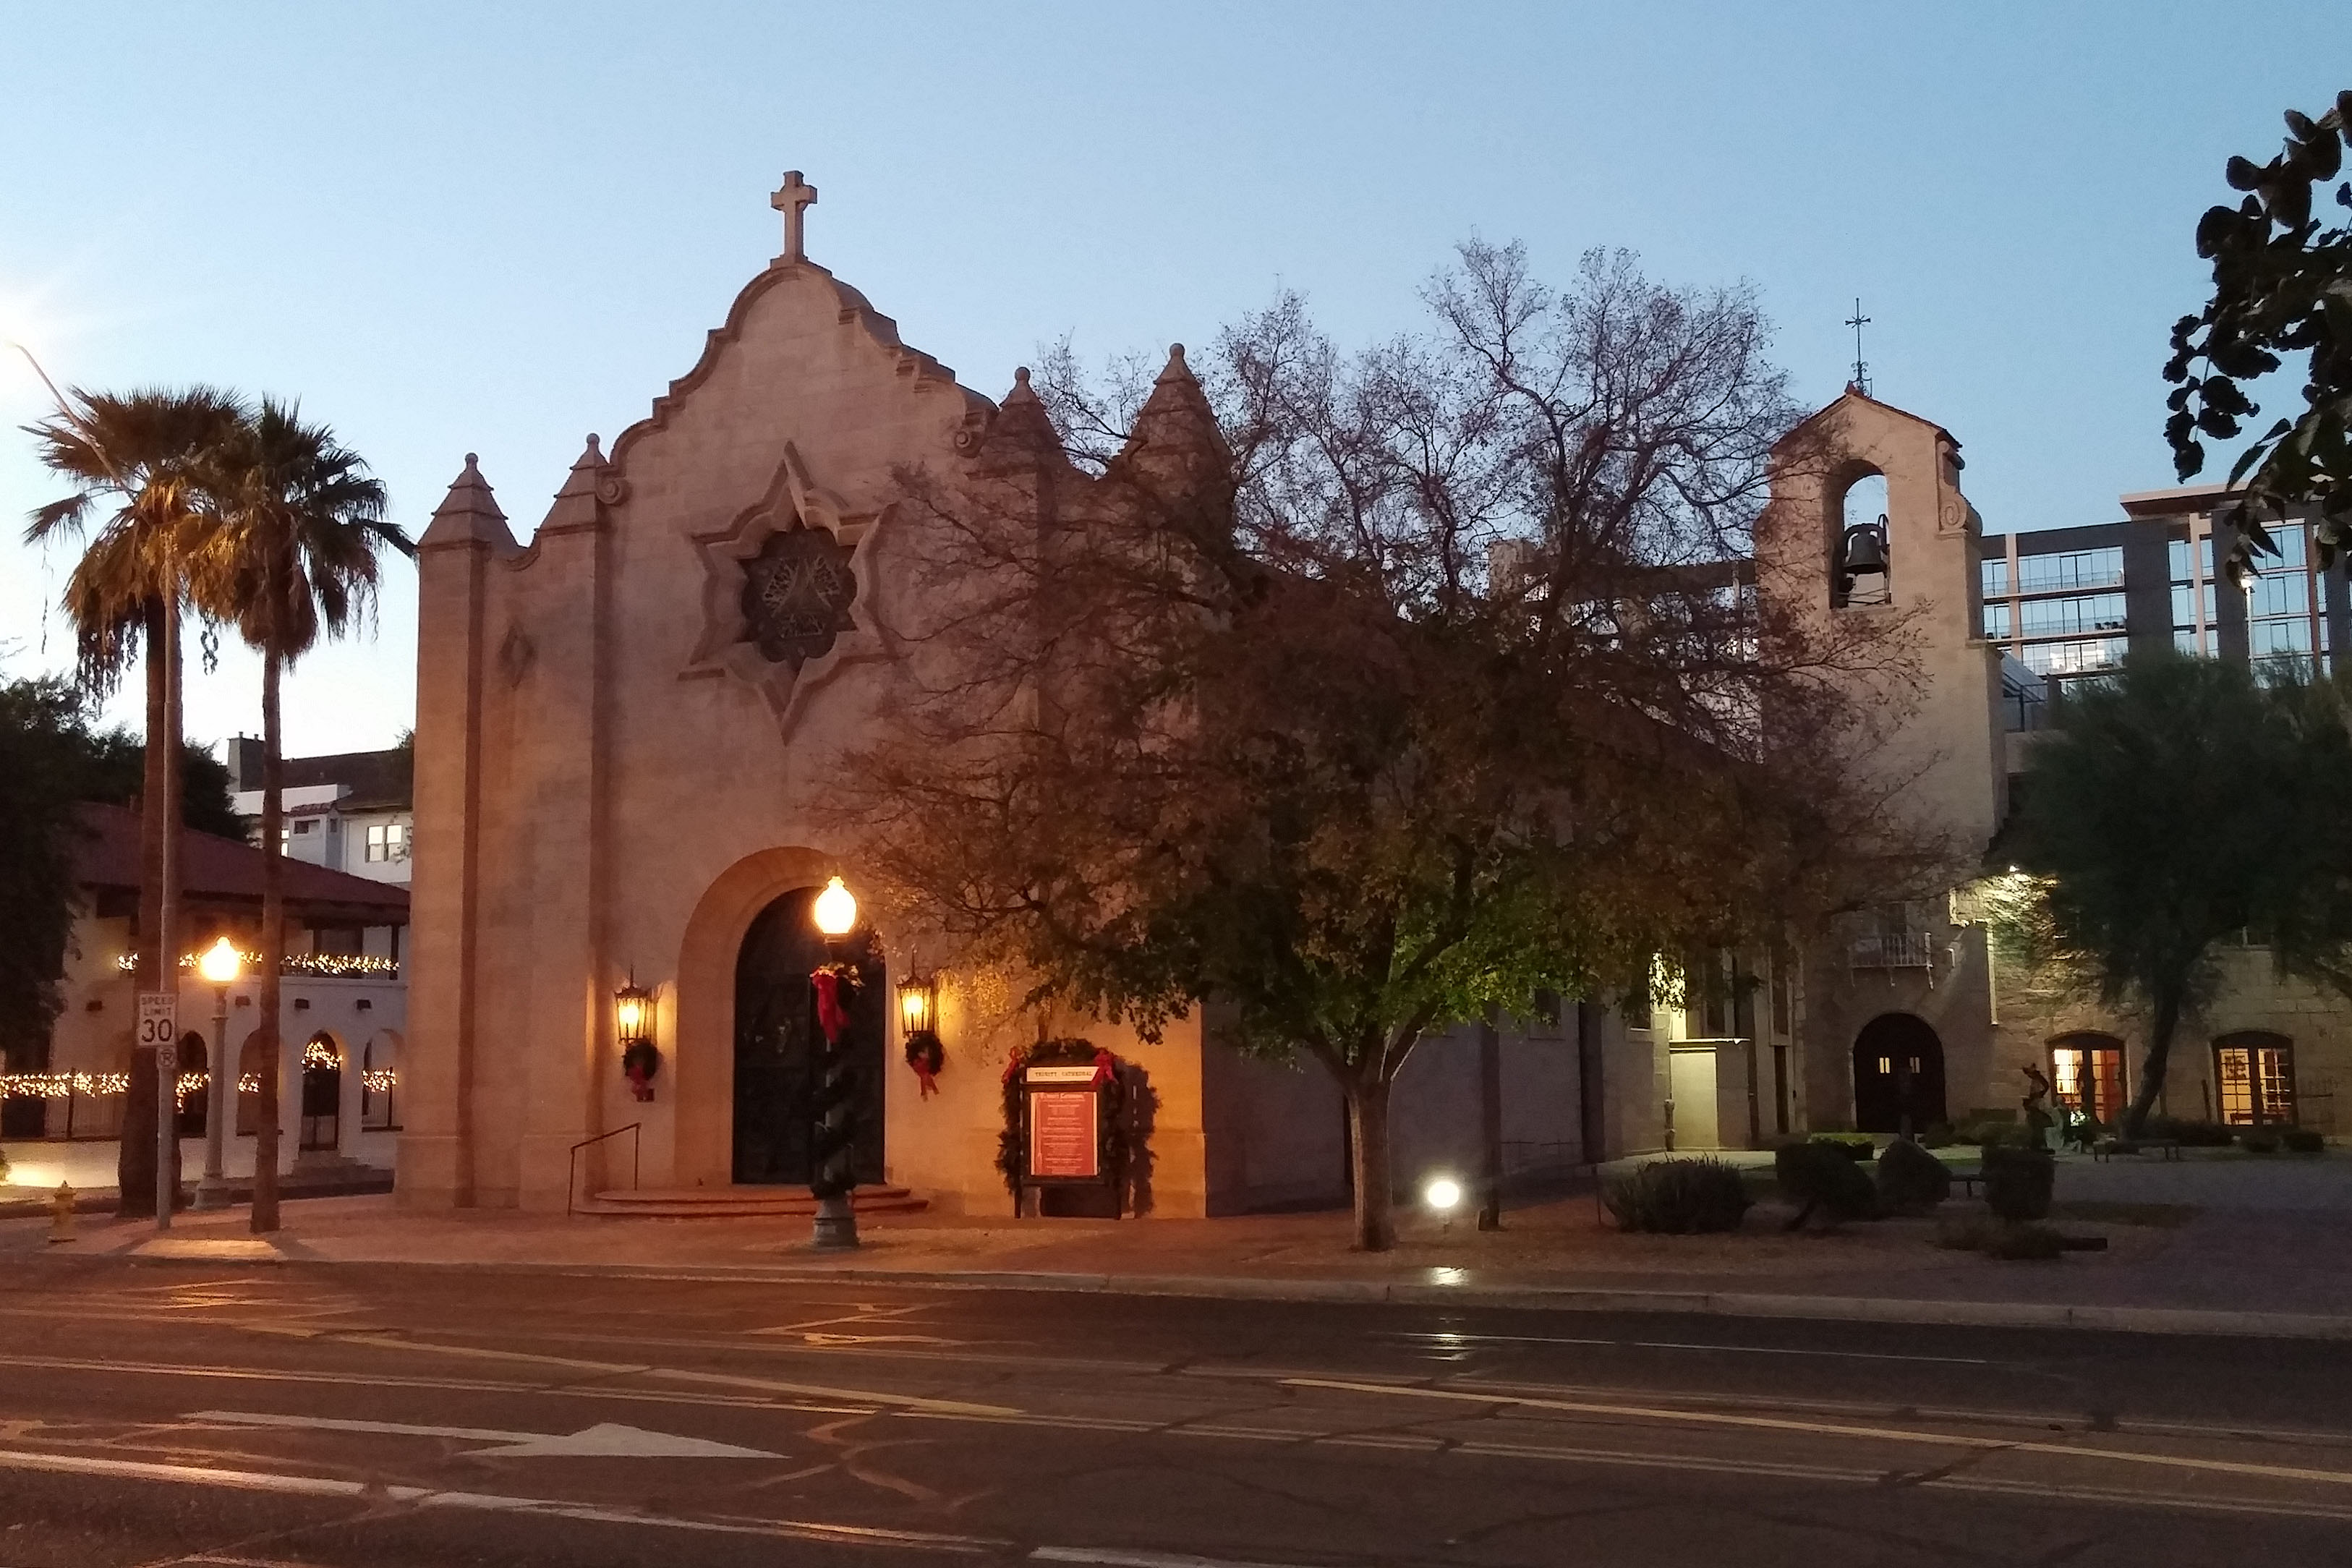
831,1179
219,966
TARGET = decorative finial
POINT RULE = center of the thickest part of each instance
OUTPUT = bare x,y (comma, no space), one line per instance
1021,375
1176,353
592,446
792,199
471,459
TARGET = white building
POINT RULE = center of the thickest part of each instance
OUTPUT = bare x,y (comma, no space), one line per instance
352,812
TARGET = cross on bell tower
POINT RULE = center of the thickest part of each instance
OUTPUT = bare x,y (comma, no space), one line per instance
793,199
1857,322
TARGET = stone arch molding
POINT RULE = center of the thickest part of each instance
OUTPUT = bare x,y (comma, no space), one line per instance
727,648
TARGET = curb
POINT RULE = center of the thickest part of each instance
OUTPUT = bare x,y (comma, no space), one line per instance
2177,1320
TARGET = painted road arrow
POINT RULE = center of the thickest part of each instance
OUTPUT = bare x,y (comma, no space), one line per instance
603,1438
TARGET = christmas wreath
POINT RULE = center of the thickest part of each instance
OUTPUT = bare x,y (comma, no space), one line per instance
1013,1148
926,1056
640,1062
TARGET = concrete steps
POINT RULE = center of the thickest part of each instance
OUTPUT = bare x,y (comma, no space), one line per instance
741,1203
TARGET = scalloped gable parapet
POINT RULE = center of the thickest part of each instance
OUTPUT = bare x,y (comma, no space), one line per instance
912,365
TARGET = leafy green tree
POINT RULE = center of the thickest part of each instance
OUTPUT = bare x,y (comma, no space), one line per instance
51,760
2282,288
114,771
302,527
138,470
42,744
2175,805
1355,698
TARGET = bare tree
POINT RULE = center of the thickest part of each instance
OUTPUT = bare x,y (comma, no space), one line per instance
1361,694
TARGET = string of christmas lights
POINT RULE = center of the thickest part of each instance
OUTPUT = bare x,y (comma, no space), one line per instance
60,1085
302,965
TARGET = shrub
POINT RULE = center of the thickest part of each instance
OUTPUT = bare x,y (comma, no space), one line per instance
2190,1133
1678,1197
2259,1141
1821,1175
2303,1141
2025,1243
1940,1136
1911,1180
2017,1181
1855,1146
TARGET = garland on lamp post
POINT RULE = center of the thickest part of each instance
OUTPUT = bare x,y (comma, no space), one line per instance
831,1180
836,985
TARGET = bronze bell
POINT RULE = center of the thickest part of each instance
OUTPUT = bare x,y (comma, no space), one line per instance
1864,549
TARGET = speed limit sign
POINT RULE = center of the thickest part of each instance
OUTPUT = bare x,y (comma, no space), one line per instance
159,1019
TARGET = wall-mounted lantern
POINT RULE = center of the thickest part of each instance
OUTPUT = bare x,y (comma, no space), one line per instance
918,1007
633,1025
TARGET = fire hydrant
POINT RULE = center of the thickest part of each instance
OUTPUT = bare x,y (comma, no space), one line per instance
61,1214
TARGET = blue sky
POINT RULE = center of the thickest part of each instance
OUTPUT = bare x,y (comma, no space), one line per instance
453,228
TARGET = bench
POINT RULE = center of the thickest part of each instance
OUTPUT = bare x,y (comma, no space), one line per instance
2164,1148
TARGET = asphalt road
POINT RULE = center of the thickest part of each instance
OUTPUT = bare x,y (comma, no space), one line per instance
154,1413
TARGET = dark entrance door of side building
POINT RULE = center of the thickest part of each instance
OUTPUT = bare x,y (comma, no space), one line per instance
779,1049
1898,1075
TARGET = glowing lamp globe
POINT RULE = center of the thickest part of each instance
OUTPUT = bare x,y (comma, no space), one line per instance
220,963
836,910
1441,1193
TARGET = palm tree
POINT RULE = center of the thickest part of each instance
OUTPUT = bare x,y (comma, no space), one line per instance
147,454
303,526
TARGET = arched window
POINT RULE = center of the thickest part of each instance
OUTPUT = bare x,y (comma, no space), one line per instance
380,1081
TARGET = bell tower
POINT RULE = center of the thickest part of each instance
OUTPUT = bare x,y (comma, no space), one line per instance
1913,571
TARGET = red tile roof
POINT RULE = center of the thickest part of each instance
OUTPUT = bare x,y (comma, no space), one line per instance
219,872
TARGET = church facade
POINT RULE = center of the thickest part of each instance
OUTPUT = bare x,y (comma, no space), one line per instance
622,730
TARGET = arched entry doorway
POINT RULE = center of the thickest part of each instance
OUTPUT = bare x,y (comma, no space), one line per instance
194,1103
322,1092
1898,1075
779,1048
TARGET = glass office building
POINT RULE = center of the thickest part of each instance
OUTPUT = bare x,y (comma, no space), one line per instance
2069,603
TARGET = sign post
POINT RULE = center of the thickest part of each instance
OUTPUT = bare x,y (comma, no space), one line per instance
159,1026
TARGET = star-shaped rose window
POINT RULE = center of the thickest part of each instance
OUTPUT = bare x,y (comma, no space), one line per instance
796,595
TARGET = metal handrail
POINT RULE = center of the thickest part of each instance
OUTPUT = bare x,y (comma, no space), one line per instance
572,1172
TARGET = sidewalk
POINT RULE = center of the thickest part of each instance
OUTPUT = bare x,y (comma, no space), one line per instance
2220,1267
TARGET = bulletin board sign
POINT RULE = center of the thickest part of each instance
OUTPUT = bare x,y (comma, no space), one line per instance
1066,1113
1064,1135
